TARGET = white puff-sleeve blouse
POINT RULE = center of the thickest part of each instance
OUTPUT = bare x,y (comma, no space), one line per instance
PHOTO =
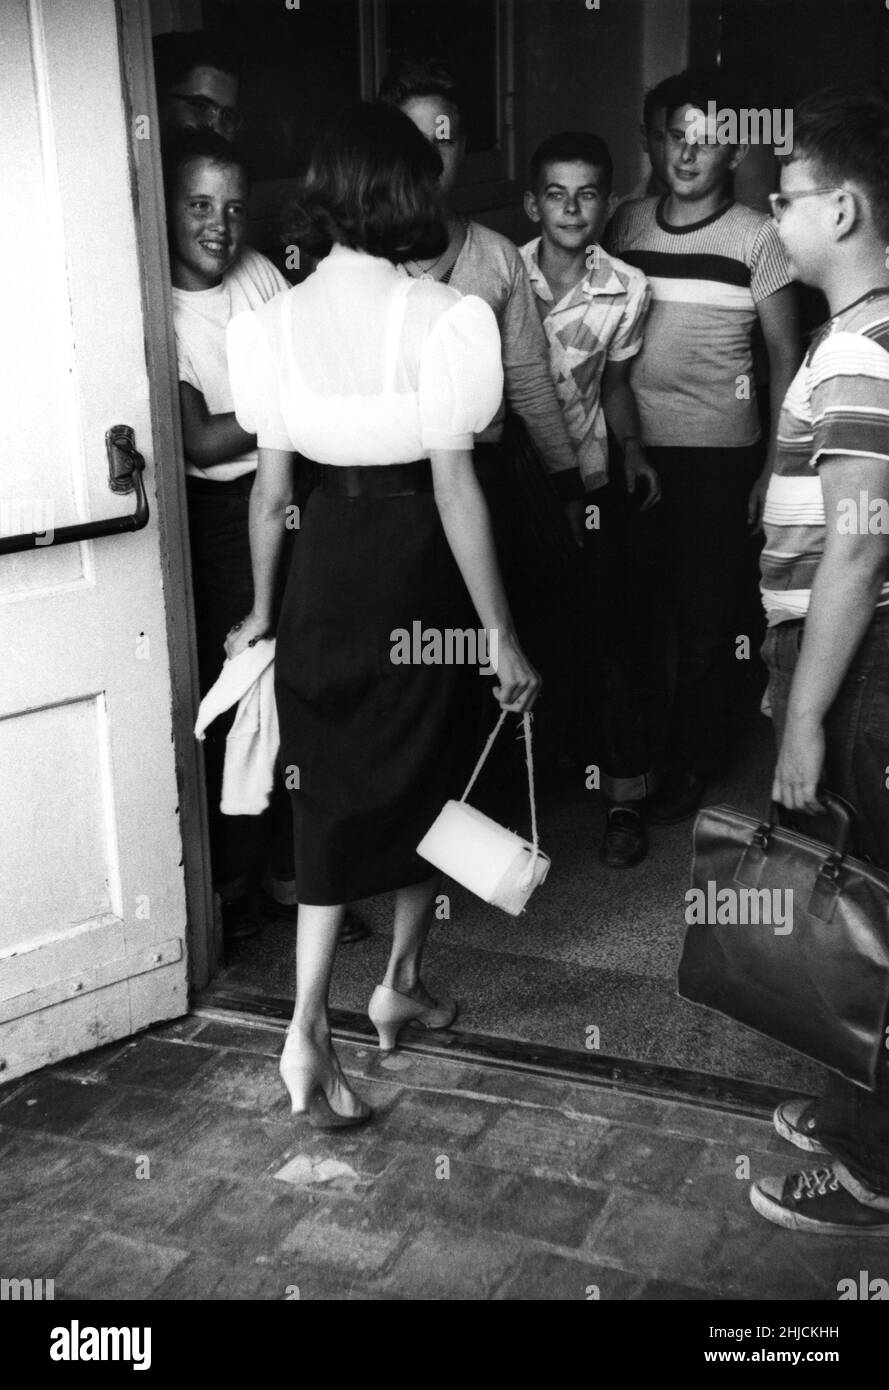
362,365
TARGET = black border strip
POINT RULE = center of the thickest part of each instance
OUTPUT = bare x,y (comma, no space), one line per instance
706,1089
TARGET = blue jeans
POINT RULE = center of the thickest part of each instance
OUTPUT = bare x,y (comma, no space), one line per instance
852,1123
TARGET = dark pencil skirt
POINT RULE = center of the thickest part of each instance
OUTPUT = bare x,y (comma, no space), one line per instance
371,748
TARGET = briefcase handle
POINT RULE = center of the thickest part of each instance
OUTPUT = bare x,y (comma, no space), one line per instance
841,813
827,880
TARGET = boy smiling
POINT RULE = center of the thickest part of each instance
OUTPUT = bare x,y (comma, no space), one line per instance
595,304
715,268
214,277
593,309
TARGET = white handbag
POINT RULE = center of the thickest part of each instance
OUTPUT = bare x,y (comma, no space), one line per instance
491,861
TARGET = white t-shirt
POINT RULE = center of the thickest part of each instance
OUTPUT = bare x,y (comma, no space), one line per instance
200,318
361,365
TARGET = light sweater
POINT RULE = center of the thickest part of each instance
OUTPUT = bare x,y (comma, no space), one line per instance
251,748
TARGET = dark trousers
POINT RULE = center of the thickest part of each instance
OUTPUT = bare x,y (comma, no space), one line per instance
852,1123
699,569
545,603
612,723
241,847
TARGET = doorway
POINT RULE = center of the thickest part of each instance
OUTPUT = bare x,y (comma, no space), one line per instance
588,973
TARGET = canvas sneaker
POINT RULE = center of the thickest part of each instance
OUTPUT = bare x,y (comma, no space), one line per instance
816,1202
796,1121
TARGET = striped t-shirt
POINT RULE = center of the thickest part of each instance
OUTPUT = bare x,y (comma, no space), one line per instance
837,404
693,380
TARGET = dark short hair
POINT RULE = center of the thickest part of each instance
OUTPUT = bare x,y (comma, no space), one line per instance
421,78
181,146
572,145
844,130
372,183
699,86
660,98
176,55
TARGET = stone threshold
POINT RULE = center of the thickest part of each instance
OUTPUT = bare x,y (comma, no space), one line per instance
711,1091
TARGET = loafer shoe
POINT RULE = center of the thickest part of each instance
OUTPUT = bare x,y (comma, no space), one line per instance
625,842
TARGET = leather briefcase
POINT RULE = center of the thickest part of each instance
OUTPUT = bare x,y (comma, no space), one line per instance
789,936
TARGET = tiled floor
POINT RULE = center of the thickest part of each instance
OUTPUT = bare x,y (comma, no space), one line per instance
169,1167
597,946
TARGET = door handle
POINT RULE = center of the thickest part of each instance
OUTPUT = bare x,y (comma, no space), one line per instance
125,468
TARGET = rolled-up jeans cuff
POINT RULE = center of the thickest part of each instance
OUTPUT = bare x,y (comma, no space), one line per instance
635,788
857,1189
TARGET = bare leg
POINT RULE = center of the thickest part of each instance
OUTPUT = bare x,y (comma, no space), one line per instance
402,997
413,918
309,1060
317,933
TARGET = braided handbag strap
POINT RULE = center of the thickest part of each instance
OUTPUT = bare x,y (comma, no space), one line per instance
529,762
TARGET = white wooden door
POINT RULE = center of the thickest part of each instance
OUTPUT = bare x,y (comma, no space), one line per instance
92,900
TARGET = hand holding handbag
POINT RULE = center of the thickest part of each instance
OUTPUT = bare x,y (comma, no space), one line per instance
809,969
491,861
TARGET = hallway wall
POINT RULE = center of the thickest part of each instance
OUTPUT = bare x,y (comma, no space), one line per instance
588,69
575,68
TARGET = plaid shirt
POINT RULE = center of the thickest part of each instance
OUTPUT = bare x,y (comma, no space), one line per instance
599,321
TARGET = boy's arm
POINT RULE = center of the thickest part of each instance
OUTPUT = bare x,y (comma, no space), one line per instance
210,439
530,391
529,384
619,405
844,593
779,316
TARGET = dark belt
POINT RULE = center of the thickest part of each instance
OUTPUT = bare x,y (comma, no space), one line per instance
234,487
396,479
374,480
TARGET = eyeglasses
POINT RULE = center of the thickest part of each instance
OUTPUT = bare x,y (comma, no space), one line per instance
210,113
780,202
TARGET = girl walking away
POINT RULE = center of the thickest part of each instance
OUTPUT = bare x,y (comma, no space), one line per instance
525,459
382,381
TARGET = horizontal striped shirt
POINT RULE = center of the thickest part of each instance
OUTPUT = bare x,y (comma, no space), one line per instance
693,379
837,405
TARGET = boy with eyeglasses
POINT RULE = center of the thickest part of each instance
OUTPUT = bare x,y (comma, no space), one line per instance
197,79
825,587
715,268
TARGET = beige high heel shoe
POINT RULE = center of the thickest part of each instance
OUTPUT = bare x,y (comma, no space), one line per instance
389,1010
317,1092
